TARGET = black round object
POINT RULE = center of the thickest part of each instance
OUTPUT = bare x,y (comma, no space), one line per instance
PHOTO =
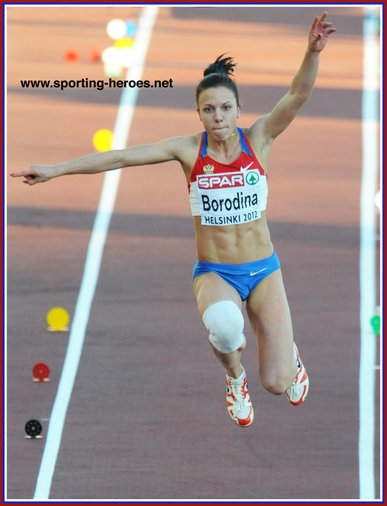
33,428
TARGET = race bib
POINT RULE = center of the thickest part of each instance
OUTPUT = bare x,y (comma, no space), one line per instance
231,198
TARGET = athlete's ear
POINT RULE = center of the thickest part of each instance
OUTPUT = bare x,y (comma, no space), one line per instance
200,116
239,110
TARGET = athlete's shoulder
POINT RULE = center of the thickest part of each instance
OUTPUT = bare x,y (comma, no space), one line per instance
259,141
186,149
186,141
256,130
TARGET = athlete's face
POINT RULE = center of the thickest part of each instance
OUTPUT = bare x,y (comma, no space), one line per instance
218,111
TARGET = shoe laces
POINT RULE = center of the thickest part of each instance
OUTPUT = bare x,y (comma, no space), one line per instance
239,390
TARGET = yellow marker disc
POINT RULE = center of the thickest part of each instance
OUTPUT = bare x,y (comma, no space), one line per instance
102,140
58,319
124,42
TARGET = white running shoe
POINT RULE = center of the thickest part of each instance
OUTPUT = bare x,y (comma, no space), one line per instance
238,400
298,390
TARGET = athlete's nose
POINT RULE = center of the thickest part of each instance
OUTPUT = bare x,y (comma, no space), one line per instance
218,115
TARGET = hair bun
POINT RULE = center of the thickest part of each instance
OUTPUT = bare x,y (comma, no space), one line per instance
221,66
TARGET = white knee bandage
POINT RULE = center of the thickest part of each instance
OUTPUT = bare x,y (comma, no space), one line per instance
224,322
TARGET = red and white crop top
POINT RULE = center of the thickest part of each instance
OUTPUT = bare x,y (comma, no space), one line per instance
228,194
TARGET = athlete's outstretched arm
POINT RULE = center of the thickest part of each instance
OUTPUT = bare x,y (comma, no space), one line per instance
303,82
93,163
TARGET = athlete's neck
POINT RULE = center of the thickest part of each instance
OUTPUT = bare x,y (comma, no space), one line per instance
226,147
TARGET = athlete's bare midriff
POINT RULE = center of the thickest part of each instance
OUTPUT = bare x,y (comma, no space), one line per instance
233,244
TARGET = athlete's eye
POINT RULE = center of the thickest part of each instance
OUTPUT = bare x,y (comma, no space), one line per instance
208,109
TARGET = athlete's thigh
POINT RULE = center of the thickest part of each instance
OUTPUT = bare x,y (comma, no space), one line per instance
210,288
270,319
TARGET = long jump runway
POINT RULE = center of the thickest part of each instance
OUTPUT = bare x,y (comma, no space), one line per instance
147,417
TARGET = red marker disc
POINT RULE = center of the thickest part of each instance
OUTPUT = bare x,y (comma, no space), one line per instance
95,54
41,371
72,56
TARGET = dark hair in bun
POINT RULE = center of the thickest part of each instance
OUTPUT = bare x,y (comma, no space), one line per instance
218,74
220,66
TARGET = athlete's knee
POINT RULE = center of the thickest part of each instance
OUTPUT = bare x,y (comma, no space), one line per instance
224,322
277,387
275,382
278,377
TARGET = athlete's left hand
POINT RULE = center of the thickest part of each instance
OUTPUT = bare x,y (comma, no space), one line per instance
319,33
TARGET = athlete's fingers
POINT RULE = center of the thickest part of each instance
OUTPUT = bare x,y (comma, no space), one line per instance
315,22
31,180
25,173
30,177
324,15
18,174
35,174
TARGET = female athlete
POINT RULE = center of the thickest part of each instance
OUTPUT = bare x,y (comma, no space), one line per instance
226,171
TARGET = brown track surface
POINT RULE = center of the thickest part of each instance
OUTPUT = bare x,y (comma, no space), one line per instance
147,418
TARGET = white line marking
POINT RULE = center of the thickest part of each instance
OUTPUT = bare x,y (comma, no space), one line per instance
92,264
370,169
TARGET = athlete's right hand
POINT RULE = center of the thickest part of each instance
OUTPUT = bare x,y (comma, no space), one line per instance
36,174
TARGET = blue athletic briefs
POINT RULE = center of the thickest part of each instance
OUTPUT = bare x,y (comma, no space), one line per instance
243,277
